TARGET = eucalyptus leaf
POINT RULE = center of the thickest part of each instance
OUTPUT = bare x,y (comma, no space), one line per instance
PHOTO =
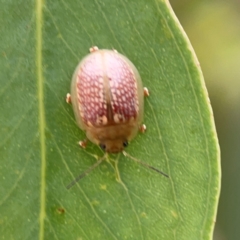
41,44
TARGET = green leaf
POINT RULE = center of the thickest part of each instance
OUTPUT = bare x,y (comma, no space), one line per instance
41,44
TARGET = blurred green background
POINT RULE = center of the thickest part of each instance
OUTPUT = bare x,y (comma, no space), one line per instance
213,28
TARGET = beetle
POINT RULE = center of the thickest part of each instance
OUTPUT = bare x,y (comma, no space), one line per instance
107,98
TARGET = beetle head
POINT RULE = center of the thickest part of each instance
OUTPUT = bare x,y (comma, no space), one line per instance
114,146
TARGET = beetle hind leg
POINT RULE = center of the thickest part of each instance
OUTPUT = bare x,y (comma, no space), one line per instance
93,49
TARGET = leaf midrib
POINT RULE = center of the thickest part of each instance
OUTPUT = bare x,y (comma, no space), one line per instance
41,113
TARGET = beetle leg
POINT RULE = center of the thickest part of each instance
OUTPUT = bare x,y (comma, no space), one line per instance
142,128
93,49
68,98
83,143
145,92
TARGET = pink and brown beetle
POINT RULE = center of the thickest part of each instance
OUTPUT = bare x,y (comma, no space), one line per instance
107,98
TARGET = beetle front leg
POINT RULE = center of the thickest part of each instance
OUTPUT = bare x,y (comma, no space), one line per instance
142,128
83,143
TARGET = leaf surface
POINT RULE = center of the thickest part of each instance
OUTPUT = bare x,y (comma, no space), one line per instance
41,44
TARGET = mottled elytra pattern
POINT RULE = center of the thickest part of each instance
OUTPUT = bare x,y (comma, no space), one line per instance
106,89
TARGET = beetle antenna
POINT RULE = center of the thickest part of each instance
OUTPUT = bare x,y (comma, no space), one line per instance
145,164
82,175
